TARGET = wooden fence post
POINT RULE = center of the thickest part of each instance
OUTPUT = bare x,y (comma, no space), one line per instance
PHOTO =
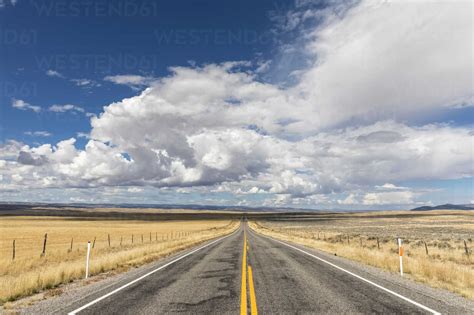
121,239
426,249
88,255
378,243
93,243
150,237
108,237
44,244
132,238
466,249
72,242
142,238
13,256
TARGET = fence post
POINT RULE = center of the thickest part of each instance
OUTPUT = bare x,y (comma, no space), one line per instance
93,244
132,238
142,238
108,237
426,249
72,242
150,237
44,244
378,243
121,239
465,248
13,256
87,258
400,253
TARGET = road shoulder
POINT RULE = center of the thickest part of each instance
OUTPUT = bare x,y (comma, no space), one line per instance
441,300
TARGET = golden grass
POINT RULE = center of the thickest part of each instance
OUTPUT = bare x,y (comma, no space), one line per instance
30,273
446,266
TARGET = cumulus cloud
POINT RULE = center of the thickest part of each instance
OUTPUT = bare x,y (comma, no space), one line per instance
389,198
351,199
391,59
345,127
22,105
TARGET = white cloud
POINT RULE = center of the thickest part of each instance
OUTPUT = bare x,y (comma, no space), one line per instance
53,73
336,131
389,198
386,60
83,135
85,82
82,82
3,3
388,186
130,80
351,199
22,105
135,189
65,108
38,133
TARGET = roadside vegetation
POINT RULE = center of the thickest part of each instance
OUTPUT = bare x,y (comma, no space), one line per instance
437,244
117,246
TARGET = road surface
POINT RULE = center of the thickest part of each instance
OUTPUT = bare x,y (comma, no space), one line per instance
247,273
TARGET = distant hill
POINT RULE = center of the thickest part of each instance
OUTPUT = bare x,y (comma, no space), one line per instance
445,207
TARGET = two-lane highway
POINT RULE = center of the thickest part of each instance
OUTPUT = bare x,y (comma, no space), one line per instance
248,273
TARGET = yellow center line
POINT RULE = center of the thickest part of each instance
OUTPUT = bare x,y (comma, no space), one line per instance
253,299
243,298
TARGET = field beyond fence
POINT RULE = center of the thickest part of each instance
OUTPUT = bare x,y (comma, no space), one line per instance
38,253
437,246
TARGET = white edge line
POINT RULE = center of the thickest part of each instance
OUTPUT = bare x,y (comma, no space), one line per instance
359,277
146,275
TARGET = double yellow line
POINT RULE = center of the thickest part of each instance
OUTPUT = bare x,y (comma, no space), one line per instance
243,298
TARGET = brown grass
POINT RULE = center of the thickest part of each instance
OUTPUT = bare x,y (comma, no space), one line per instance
445,266
30,273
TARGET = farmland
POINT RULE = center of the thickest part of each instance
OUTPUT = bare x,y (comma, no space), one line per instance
117,246
437,244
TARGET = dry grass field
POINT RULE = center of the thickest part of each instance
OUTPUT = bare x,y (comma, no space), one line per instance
370,238
30,272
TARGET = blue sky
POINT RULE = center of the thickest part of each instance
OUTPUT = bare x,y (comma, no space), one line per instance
306,104
83,40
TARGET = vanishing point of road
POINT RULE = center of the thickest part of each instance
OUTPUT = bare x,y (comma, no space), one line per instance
248,273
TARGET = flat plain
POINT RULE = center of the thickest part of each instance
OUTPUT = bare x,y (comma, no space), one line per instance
116,246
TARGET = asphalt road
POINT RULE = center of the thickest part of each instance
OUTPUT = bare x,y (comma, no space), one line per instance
281,280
